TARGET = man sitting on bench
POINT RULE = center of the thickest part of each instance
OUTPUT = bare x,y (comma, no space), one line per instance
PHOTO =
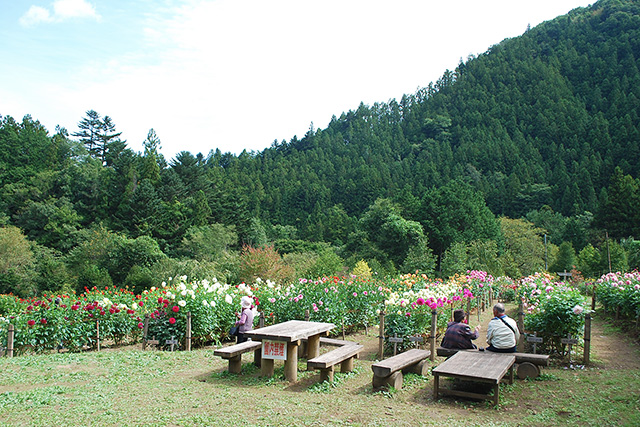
502,333
458,334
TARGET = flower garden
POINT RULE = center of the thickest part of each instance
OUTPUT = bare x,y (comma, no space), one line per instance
552,309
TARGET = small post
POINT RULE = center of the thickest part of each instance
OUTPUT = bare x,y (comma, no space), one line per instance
395,344
587,338
480,304
98,334
344,336
261,321
617,312
306,315
381,337
593,298
432,338
188,332
491,296
535,344
521,326
468,310
144,331
10,341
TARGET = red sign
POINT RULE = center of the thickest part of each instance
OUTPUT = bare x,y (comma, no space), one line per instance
274,350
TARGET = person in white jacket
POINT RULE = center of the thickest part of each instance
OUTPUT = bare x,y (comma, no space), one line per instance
502,333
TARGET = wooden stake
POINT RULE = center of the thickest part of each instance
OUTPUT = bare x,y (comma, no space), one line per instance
188,337
144,331
381,337
10,341
587,338
432,339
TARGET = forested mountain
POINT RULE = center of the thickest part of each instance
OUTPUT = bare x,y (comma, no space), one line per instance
543,128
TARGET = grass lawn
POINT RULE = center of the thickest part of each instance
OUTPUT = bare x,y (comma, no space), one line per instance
129,387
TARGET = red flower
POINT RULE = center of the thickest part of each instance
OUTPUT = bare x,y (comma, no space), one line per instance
141,303
111,310
159,300
140,325
43,321
31,322
30,308
172,320
175,309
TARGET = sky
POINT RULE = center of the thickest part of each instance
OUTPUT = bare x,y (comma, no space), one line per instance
236,75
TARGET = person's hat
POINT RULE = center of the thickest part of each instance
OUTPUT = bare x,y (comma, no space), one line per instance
246,302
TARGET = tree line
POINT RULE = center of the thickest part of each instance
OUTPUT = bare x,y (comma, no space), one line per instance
522,158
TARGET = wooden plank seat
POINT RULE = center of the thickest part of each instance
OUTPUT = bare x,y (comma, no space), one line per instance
324,341
326,362
388,372
234,354
527,363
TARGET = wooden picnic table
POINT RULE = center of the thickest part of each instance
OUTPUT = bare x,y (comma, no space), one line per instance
484,367
291,333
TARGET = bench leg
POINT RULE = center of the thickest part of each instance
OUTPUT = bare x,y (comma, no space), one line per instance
267,368
235,364
420,368
346,365
326,374
496,394
394,380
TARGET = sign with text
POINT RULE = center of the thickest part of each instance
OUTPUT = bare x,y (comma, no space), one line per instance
274,350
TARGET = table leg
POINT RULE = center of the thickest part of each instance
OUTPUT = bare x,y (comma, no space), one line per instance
313,346
436,386
496,394
267,367
291,364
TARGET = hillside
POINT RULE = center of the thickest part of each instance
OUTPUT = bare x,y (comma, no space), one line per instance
542,128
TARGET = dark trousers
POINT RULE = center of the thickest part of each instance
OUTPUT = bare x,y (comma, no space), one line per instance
502,350
241,338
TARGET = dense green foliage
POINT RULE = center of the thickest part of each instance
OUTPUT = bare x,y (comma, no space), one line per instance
544,126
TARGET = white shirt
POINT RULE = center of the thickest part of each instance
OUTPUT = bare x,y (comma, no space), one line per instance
500,336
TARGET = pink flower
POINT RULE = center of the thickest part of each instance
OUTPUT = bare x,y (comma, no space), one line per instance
175,309
272,300
141,303
365,293
355,294
172,320
420,301
140,325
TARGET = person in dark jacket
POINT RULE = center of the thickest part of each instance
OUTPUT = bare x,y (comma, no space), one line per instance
459,334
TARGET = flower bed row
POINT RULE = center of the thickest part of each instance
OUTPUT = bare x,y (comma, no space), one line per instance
348,302
554,310
620,292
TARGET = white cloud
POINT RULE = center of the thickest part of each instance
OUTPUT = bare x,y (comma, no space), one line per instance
34,16
74,9
62,10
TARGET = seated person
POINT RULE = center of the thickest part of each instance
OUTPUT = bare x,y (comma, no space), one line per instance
458,334
502,333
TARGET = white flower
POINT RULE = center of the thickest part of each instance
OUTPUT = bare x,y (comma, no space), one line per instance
183,278
164,284
205,303
578,310
229,299
182,303
213,304
183,293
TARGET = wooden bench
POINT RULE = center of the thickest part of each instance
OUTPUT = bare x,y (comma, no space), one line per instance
388,372
528,363
332,342
326,362
234,354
